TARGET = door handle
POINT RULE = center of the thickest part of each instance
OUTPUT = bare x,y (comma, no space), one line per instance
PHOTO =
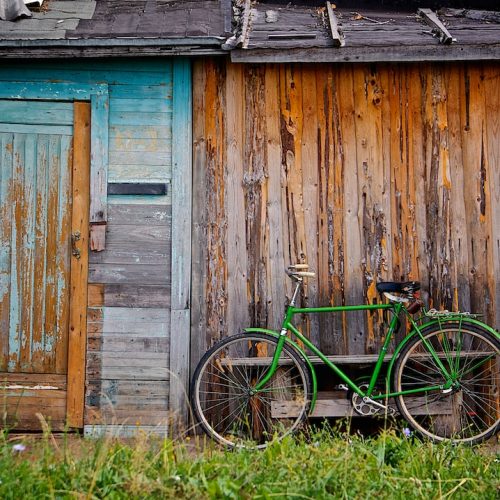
74,238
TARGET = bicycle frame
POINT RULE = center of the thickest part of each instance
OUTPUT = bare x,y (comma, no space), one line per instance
395,307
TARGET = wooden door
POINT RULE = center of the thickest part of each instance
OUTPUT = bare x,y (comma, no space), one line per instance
44,204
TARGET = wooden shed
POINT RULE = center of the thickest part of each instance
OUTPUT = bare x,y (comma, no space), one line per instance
162,162
364,141
95,203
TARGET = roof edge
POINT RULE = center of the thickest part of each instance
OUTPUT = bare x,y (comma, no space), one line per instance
114,42
387,54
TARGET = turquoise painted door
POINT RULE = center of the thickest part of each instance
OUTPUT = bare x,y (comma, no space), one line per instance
35,259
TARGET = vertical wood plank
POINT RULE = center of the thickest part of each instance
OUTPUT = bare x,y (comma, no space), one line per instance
16,293
199,252
417,77
354,333
255,191
6,193
40,274
459,258
373,193
276,258
181,238
331,229
310,182
79,266
63,265
492,157
49,334
477,191
27,162
99,170
237,299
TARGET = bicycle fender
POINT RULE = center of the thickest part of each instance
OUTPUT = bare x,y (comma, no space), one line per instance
303,355
424,327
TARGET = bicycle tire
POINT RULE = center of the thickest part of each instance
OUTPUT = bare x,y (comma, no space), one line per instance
221,391
468,412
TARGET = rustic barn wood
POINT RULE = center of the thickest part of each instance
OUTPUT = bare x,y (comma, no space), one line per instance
45,274
338,39
368,173
129,294
336,404
79,266
437,26
181,242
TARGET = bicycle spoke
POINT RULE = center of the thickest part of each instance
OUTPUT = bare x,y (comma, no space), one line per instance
224,402
468,411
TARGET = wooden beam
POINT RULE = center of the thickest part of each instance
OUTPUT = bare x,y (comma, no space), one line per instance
437,26
77,341
48,90
337,37
99,171
400,53
245,29
336,404
181,242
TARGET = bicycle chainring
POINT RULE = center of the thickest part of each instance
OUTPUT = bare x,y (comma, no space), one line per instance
366,408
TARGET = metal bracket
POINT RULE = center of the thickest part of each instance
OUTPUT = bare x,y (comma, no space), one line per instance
76,236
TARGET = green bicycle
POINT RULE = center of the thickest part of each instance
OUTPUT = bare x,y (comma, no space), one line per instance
260,385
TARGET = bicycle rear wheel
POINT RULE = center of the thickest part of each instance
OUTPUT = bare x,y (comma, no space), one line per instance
470,410
223,396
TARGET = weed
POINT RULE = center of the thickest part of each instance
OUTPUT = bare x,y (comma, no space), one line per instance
324,463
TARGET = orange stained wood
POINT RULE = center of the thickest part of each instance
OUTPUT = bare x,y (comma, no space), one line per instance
370,172
42,292
79,266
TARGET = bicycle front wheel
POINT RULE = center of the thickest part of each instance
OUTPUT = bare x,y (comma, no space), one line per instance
469,411
226,404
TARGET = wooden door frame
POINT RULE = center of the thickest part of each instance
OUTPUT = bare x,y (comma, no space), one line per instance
89,209
78,294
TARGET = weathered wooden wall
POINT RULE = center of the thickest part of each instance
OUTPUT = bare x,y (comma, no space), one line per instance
130,282
366,172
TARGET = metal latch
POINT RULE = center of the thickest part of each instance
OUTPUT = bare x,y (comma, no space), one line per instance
74,238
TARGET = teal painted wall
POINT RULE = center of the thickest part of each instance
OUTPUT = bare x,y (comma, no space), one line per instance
131,282
140,109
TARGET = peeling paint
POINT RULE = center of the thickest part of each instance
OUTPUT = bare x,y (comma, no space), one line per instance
29,387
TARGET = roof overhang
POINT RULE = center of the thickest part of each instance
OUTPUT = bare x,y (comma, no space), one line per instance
101,47
367,54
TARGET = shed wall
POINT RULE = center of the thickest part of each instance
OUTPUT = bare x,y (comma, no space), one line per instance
129,282
367,172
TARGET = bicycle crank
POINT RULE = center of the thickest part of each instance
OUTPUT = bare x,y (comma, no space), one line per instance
367,407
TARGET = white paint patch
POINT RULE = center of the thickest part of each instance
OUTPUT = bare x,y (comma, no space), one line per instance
30,388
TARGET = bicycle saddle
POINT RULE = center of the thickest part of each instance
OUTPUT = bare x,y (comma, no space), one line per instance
395,287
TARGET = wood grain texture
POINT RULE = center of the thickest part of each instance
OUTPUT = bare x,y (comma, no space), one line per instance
181,239
132,112
369,173
77,342
26,394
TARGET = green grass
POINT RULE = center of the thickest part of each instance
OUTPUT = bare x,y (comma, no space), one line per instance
325,464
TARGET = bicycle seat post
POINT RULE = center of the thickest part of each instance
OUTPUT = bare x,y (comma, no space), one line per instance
298,272
296,292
